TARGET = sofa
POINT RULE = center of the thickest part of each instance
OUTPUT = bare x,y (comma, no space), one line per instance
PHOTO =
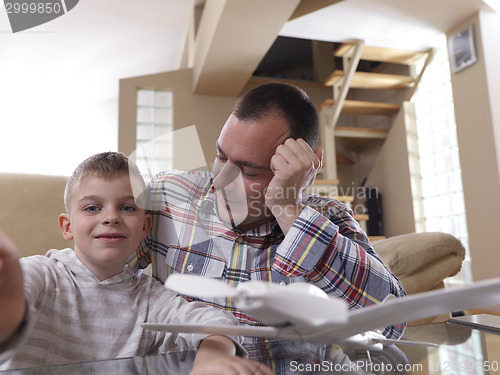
421,261
30,206
29,209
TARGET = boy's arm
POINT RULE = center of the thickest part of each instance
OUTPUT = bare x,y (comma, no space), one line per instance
216,355
12,301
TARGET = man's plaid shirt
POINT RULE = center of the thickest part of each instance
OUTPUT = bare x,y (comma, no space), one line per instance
325,246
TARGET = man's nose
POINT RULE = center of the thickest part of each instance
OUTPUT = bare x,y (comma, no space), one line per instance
226,175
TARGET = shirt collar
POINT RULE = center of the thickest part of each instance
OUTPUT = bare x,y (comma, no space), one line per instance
206,205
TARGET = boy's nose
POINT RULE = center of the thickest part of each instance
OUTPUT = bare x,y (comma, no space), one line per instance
111,221
111,217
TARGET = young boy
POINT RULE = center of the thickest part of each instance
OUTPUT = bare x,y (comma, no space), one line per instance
85,305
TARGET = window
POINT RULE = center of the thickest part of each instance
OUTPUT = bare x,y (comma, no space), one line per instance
434,159
154,127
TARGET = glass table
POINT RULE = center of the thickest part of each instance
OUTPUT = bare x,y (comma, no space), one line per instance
460,350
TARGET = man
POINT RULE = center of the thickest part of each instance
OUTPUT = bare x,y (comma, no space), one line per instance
251,219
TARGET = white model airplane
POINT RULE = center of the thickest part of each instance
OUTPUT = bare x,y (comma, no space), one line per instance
301,311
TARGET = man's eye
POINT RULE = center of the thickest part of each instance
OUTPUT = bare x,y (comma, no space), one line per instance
248,174
221,157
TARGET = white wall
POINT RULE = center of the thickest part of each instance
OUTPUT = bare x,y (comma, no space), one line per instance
59,81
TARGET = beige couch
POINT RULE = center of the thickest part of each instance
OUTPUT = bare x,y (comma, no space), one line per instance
421,261
30,206
29,209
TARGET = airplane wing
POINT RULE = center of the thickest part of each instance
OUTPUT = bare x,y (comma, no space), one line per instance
227,330
416,306
366,340
314,319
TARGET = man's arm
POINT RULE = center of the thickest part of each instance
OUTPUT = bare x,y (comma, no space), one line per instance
295,167
216,355
12,301
330,250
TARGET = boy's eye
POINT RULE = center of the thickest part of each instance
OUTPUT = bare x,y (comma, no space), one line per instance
91,209
128,208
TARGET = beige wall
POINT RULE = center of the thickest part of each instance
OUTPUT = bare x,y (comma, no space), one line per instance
476,92
207,112
391,175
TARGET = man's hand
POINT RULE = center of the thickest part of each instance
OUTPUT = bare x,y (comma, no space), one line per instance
295,167
216,356
12,303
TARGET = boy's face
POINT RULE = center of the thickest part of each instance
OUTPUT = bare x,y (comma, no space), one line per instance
105,223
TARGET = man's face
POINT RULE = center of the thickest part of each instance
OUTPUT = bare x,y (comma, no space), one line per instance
242,168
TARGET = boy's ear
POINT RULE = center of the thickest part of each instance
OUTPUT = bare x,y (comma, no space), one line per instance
148,221
65,225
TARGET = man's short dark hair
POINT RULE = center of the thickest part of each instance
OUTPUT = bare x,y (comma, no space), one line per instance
284,100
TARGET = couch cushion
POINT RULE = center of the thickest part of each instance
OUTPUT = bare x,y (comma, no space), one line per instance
408,253
30,207
432,275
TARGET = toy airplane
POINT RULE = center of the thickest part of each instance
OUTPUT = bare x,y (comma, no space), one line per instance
301,311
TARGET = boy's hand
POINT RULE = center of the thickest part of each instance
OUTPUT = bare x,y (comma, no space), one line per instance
295,166
215,356
12,304
231,365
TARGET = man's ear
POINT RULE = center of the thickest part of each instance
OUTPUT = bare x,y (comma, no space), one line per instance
148,221
320,152
65,225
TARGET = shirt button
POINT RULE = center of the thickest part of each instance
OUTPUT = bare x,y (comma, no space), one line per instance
190,267
240,240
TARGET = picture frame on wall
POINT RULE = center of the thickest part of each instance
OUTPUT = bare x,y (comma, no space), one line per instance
461,50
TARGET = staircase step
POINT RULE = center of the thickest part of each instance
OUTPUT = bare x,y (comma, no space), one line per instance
343,159
320,181
351,132
365,80
357,107
331,192
388,55
359,218
328,188
359,137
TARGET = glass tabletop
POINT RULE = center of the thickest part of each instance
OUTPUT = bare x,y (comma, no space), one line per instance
460,350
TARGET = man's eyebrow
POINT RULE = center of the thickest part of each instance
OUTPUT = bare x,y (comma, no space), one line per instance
241,162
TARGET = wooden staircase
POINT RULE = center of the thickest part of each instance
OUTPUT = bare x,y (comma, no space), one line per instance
342,143
335,137
342,81
367,80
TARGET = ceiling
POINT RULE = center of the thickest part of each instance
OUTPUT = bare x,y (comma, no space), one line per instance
404,24
63,76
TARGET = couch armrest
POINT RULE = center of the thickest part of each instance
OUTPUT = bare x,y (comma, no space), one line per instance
421,260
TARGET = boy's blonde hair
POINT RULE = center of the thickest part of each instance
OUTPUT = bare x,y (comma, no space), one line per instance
105,165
